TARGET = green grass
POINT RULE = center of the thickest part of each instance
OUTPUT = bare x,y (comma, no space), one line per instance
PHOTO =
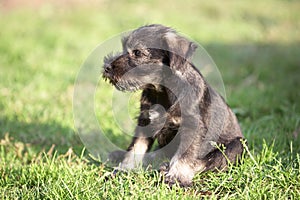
256,46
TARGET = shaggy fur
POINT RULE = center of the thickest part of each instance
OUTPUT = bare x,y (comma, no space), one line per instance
193,125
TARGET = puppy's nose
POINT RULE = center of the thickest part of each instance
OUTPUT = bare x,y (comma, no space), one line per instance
107,68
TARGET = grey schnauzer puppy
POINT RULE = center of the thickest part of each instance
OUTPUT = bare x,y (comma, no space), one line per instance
193,125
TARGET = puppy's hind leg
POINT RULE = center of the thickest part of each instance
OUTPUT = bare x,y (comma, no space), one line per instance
219,159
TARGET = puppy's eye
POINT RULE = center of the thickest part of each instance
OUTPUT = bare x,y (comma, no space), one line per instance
137,53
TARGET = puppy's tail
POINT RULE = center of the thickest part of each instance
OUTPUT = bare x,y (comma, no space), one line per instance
219,160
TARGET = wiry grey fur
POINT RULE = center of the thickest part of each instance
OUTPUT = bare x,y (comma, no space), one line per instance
191,122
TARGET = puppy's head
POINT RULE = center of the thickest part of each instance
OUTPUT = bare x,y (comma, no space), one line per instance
146,53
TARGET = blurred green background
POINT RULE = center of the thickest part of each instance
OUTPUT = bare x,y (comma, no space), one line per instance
255,44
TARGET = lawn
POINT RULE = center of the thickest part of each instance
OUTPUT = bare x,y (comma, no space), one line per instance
255,44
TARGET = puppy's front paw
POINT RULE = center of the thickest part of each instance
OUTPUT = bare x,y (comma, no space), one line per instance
132,161
179,173
181,180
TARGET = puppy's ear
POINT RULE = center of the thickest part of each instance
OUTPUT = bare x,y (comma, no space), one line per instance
180,49
125,39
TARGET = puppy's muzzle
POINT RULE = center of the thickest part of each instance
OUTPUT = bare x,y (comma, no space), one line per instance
108,68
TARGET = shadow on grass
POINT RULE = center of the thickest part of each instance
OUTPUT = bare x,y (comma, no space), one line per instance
41,136
263,77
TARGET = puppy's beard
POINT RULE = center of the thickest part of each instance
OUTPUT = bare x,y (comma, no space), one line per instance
129,85
137,78
124,84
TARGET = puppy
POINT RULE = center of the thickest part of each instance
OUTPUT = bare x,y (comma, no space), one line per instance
193,125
